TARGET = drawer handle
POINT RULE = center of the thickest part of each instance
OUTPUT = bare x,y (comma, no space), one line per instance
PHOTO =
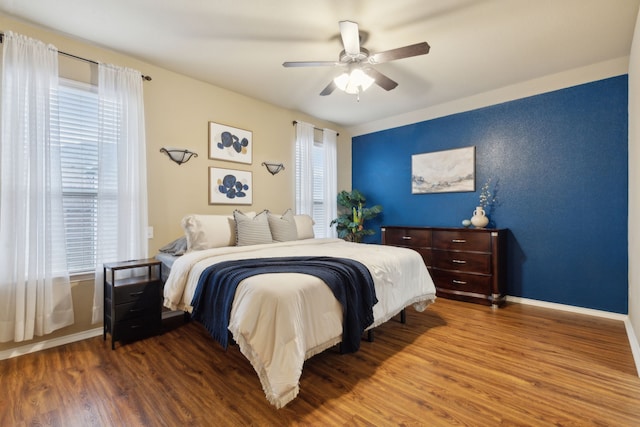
135,294
135,310
406,237
458,261
459,241
459,282
136,326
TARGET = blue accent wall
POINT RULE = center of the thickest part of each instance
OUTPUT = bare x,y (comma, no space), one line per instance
560,163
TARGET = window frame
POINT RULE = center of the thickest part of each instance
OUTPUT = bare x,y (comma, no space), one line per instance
85,195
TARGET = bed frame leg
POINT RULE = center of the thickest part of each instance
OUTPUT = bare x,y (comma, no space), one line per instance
403,319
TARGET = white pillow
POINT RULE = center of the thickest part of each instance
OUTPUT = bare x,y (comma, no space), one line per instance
283,228
209,231
252,231
304,226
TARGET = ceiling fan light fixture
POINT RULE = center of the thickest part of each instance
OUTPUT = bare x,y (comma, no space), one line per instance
354,82
358,59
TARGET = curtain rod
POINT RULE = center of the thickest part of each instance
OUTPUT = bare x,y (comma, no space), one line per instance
295,122
91,61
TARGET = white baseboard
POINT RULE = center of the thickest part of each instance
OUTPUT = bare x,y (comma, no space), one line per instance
54,342
67,339
571,308
635,345
631,336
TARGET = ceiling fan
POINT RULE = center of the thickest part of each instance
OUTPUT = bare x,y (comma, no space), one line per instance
359,61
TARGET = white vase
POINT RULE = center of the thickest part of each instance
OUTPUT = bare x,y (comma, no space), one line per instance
479,218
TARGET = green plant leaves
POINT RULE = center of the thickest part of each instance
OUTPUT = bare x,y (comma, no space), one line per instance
352,215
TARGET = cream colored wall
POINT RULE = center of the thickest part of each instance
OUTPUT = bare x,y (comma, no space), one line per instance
177,112
175,190
634,187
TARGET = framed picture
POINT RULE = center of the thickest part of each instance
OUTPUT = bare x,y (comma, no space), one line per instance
229,143
444,171
230,187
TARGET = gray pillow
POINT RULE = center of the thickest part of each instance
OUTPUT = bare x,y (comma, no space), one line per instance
177,247
252,231
283,228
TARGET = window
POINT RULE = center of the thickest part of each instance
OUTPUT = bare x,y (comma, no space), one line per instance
77,108
317,159
317,176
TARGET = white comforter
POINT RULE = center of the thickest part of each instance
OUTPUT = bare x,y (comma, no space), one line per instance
280,320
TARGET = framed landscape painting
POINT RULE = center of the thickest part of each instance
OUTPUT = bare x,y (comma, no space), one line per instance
444,171
229,143
230,187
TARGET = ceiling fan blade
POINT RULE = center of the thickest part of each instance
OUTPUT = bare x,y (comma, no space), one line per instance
381,80
329,89
350,37
399,53
290,64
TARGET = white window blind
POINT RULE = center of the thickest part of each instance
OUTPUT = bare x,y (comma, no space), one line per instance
317,159
318,182
77,108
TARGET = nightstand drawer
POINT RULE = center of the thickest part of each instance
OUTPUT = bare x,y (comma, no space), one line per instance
133,292
462,241
135,309
464,282
462,261
136,328
409,237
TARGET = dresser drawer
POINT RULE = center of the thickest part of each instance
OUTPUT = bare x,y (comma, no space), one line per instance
426,255
462,240
462,261
409,237
463,282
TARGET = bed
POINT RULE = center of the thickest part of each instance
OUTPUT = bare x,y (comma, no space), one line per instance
280,320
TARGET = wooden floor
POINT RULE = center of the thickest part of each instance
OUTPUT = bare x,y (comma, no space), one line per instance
454,364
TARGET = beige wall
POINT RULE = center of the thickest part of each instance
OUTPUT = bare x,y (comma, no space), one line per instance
177,111
634,187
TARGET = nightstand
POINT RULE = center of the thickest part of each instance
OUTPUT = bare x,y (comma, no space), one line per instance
132,299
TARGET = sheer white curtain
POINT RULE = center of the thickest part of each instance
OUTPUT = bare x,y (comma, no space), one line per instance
329,144
121,137
35,292
304,183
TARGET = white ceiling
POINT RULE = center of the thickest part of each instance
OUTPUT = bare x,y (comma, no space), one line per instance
476,45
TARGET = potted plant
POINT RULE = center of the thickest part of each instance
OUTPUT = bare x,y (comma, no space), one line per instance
352,214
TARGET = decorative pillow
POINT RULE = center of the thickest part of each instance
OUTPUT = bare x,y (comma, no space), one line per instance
210,231
304,226
283,228
177,247
252,231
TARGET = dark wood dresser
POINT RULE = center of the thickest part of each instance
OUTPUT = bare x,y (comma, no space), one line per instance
467,264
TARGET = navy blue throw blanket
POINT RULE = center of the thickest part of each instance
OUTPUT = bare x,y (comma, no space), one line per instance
349,280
